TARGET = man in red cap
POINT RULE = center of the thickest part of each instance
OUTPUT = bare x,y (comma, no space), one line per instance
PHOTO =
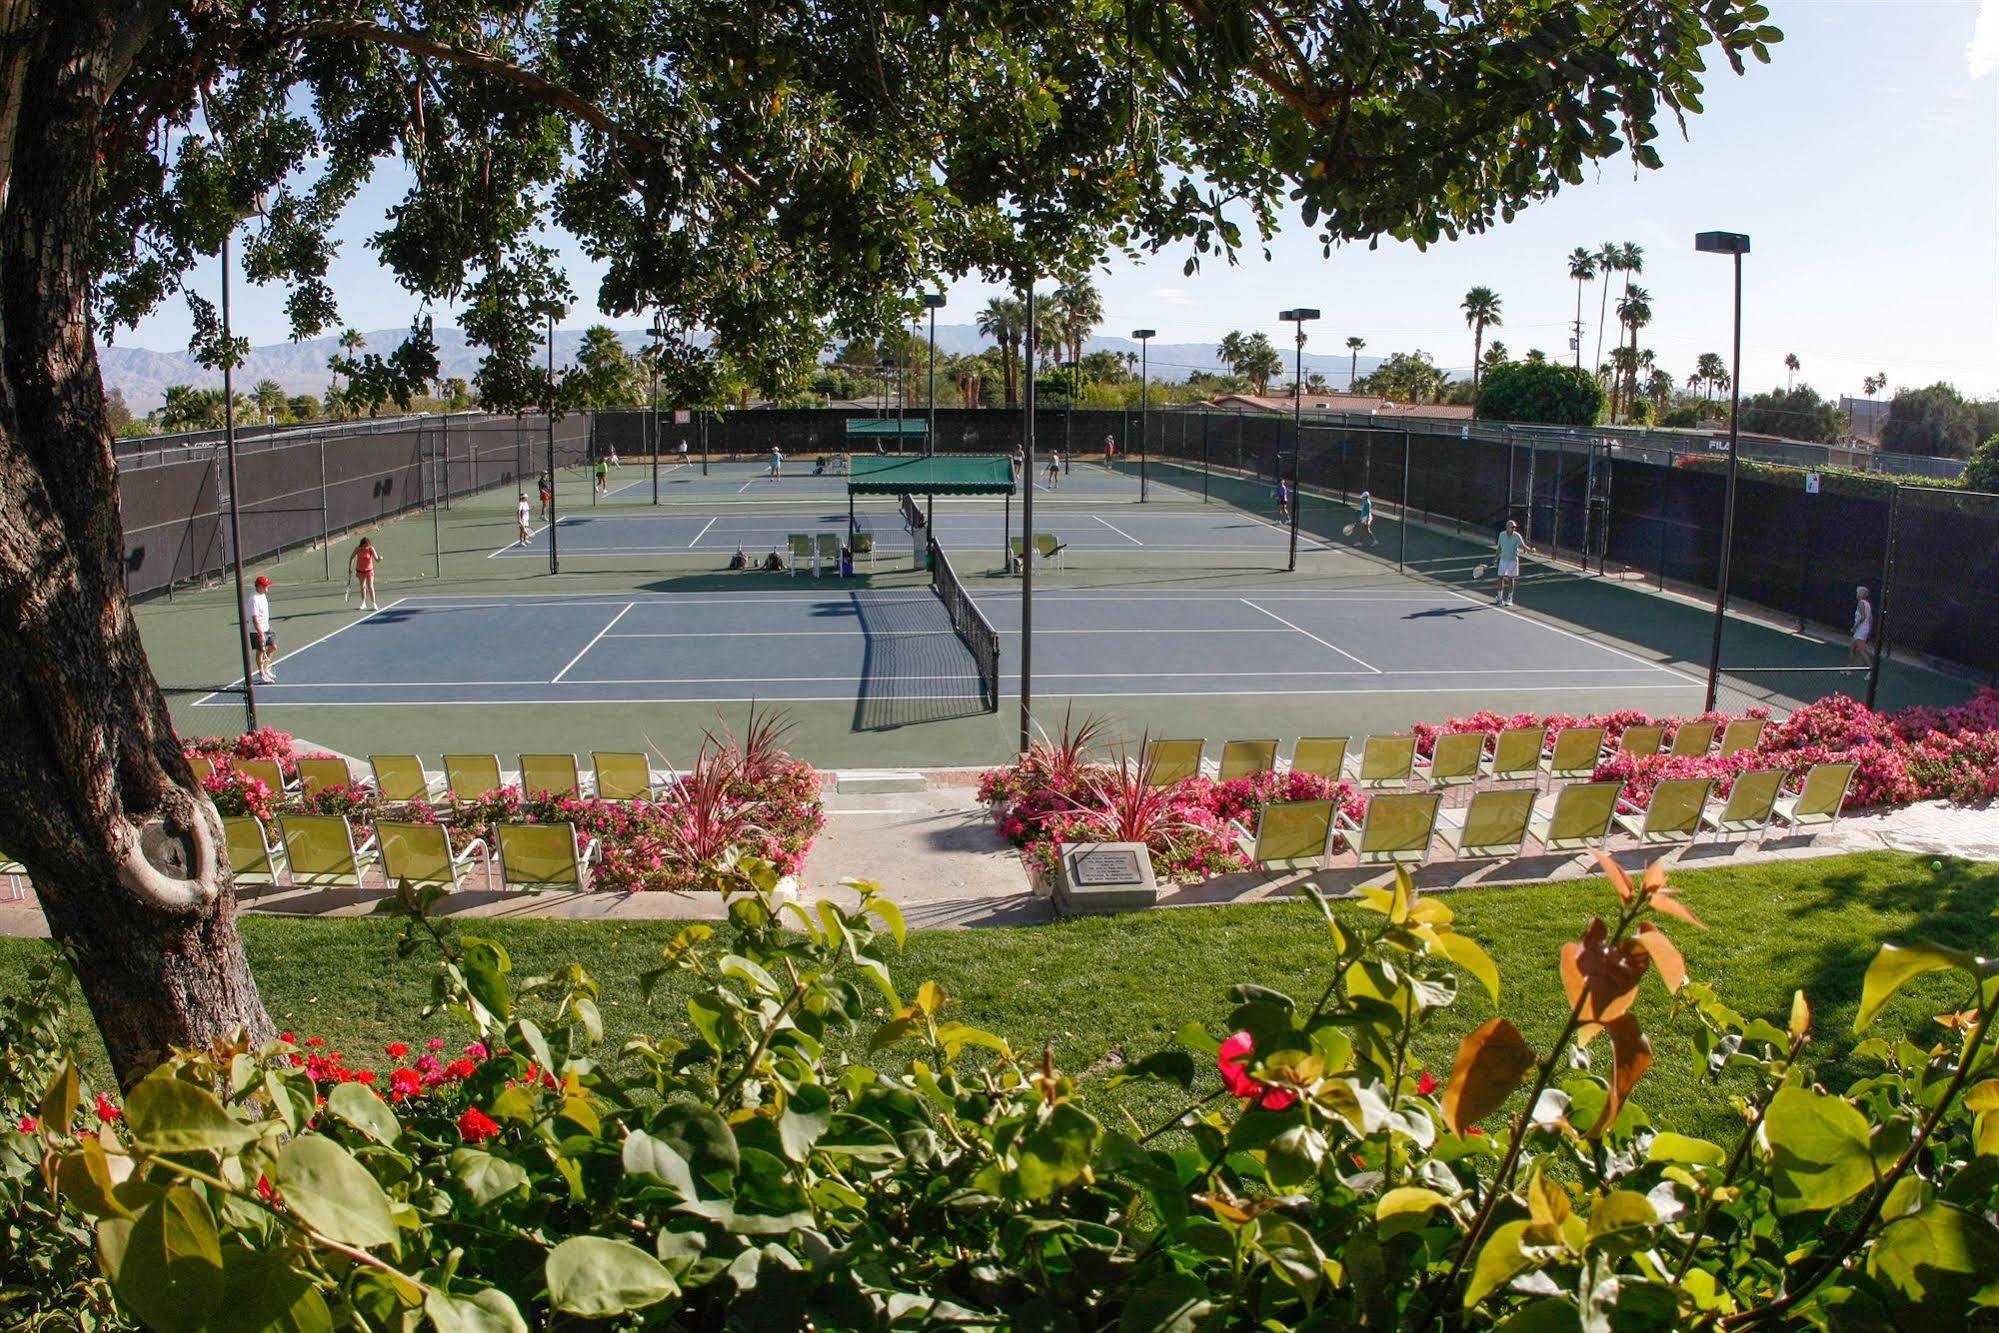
262,641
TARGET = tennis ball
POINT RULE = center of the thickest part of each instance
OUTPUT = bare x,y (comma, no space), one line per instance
1936,865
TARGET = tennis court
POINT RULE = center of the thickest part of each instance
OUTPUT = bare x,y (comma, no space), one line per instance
860,644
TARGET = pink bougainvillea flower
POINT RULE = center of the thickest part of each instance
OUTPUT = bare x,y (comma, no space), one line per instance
475,1126
435,1043
1231,1058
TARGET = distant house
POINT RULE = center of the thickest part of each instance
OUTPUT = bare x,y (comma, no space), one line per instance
1283,404
1864,417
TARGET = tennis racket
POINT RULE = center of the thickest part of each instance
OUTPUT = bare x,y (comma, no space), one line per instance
348,596
1347,531
1478,573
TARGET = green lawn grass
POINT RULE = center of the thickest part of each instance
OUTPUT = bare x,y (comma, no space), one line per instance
1099,990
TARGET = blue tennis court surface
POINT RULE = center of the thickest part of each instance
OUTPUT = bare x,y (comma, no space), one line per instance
965,528
684,483
861,644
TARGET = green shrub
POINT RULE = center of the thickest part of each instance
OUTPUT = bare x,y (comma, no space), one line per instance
737,1178
1540,391
1981,470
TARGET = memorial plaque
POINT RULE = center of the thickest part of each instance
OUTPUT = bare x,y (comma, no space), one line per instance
1105,877
1107,867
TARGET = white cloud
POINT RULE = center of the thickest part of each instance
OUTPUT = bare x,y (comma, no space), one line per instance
1982,55
1179,296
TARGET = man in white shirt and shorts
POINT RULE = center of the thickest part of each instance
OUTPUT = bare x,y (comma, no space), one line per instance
262,641
1511,546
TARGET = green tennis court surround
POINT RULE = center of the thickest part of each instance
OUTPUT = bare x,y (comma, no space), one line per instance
960,474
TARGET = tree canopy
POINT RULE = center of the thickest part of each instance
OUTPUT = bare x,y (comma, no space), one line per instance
1540,391
1934,420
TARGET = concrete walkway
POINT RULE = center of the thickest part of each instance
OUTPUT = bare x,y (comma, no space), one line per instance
937,854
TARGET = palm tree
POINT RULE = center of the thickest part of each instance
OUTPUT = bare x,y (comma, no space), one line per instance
270,399
1353,359
1078,308
1874,384
1481,307
1791,367
351,344
1634,311
1709,370
1004,320
1607,260
1582,267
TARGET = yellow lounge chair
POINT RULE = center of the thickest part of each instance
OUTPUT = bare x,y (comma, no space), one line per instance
422,854
316,775
1642,742
1575,753
1516,755
1290,835
1493,826
470,776
1323,755
1456,758
203,766
826,551
253,857
1168,762
552,773
1673,814
536,856
1398,828
1820,798
1745,733
1242,758
320,851
1751,803
1046,547
268,772
16,875
1691,740
800,546
622,775
400,779
1580,817
1386,761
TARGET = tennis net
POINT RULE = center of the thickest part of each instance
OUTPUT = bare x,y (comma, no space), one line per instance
970,623
912,513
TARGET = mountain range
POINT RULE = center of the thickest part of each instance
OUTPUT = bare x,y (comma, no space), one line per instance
143,374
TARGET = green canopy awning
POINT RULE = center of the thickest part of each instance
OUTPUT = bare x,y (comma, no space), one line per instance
933,474
886,426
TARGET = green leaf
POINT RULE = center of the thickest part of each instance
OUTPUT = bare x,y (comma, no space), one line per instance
891,916
1942,1258
1819,1156
166,1264
655,1160
1171,1303
954,1037
1057,1152
486,1179
489,1311
1621,1210
1669,1147
1407,1208
265,1294
334,1194
807,1113
1897,965
1195,1038
704,1142
1471,958
1502,1258
484,966
597,1277
166,1115
60,1100
358,1105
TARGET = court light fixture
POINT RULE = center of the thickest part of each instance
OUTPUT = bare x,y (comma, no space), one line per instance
1145,337
1297,318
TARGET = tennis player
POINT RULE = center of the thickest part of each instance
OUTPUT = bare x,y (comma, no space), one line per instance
1861,652
521,512
262,641
1511,545
362,565
1366,520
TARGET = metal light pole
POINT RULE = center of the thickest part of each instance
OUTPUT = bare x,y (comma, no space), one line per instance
1297,318
1735,244
1027,533
235,521
933,302
548,407
659,342
1145,337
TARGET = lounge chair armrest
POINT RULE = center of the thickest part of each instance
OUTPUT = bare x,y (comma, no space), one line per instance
1627,806
1345,822
1241,830
365,848
593,853
476,847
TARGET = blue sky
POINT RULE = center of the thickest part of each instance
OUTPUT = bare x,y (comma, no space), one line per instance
1863,161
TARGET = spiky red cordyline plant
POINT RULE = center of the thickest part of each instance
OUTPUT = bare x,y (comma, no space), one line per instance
708,816
1065,759
760,754
1122,805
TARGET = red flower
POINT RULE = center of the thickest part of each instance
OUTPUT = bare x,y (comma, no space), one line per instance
264,1190
1231,1058
459,1069
1425,1084
397,1050
28,1124
106,1109
476,1126
315,1041
290,1038
405,1083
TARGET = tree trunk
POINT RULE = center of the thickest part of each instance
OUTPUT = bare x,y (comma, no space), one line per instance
124,848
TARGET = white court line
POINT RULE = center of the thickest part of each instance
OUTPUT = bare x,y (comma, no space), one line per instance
704,530
848,698
1479,672
746,485
1579,638
1118,530
515,545
536,599
592,644
914,633
605,552
237,683
1313,637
